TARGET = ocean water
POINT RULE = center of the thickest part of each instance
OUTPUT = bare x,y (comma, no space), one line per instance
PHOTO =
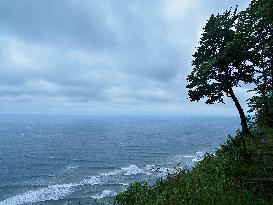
89,159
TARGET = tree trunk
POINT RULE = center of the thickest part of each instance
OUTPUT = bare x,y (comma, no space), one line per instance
245,129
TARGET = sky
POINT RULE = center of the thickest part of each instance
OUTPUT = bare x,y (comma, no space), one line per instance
103,56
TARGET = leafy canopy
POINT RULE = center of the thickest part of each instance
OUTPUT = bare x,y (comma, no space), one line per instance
221,61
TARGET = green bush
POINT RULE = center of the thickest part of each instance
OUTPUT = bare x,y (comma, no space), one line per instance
223,178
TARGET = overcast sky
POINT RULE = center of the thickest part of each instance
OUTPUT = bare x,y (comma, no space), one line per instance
102,56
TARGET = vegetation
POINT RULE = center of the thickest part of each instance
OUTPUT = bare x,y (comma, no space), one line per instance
219,64
236,48
239,173
256,27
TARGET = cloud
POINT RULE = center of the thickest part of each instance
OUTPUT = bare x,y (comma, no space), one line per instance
66,23
87,56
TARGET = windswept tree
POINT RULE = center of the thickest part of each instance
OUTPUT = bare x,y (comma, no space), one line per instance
221,63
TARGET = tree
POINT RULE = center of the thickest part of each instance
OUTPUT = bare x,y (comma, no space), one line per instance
256,27
221,63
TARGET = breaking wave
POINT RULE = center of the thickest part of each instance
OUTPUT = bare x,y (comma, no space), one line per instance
118,176
104,194
54,192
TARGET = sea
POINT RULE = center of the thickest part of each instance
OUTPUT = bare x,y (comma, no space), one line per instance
80,159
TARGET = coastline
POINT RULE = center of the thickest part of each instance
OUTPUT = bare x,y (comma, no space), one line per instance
240,172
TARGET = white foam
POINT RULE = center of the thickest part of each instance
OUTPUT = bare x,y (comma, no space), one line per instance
132,170
93,180
112,173
104,194
150,168
109,176
54,192
200,154
196,159
189,156
199,157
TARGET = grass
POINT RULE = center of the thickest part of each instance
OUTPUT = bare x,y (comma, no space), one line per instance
240,172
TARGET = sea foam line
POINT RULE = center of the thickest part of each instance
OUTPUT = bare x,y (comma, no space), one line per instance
54,192
60,191
104,194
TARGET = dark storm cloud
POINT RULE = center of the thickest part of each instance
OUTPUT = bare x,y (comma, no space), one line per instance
99,55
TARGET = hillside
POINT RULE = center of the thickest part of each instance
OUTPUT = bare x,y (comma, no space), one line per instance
240,172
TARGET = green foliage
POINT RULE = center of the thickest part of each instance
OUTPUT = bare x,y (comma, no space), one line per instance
262,106
219,63
137,193
235,47
256,27
223,178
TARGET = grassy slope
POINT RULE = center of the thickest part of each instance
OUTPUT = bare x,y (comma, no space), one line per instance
241,172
